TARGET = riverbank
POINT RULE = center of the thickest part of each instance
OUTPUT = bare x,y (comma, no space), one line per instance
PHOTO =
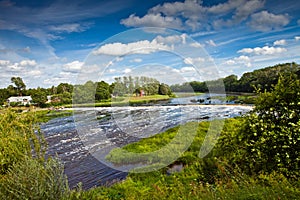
124,101
191,177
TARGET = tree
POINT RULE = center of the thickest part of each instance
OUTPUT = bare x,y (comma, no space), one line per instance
270,137
20,85
64,87
102,91
164,89
230,83
39,97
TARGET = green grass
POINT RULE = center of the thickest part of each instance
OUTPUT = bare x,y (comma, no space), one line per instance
201,178
187,94
123,101
208,178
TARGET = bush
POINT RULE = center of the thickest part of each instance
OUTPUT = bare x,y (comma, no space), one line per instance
33,179
270,137
19,136
24,174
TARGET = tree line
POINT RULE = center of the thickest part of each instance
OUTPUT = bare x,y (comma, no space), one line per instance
261,79
84,93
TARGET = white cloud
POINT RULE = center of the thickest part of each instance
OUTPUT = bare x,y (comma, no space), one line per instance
193,61
74,66
230,62
266,50
297,38
265,21
193,15
112,70
136,60
35,73
14,67
211,43
69,28
4,62
241,9
127,70
298,21
196,45
279,43
187,69
172,39
28,63
241,60
140,47
153,20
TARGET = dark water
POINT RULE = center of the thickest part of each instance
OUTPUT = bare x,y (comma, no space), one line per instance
75,139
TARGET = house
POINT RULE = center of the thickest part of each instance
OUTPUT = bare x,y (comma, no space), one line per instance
21,100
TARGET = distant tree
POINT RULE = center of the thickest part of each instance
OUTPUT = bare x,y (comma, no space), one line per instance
102,91
230,83
39,97
164,89
63,87
20,85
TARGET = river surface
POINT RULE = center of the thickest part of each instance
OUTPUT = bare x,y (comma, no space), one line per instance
77,138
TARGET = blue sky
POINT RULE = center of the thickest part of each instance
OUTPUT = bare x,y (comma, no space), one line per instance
53,41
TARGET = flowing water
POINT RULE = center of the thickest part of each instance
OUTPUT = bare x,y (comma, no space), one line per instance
75,139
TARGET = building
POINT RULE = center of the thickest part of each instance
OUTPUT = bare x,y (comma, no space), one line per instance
21,100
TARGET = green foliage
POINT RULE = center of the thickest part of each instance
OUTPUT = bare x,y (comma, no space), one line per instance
20,85
129,85
270,137
33,179
24,173
263,79
19,135
39,97
102,91
208,178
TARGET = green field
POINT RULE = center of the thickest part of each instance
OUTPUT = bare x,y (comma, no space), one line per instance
123,101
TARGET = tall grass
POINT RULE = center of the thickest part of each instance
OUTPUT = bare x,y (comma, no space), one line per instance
24,173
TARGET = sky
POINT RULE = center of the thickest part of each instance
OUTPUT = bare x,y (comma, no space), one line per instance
53,41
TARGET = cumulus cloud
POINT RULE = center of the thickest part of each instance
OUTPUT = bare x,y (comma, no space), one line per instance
4,62
266,50
172,39
279,43
297,38
28,63
74,66
242,10
265,21
139,47
193,15
127,71
230,62
153,20
35,73
187,69
241,60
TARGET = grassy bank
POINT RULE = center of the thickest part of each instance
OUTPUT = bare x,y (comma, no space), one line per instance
208,178
124,101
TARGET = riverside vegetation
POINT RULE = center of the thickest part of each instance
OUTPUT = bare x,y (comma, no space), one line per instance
256,157
104,94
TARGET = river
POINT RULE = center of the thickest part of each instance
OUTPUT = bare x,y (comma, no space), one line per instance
75,139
